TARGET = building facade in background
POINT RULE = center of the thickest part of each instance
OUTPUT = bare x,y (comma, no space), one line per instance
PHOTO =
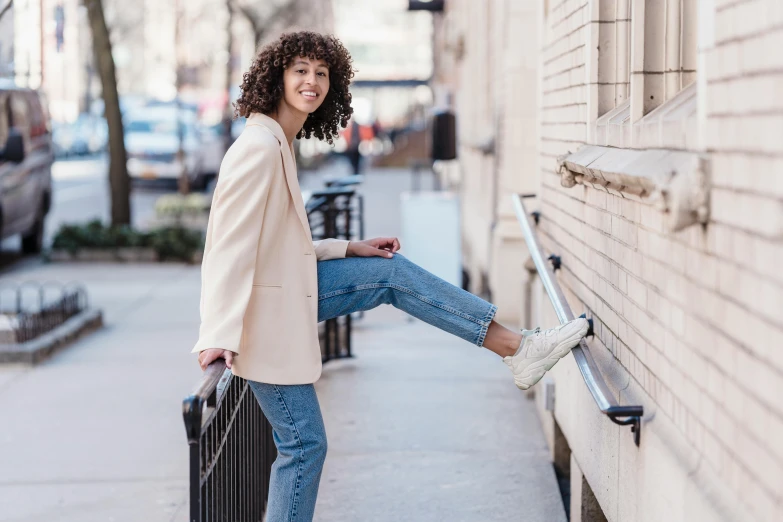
392,54
52,52
6,39
650,132
494,95
49,47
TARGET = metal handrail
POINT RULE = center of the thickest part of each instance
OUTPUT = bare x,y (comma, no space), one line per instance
231,448
205,393
622,415
344,181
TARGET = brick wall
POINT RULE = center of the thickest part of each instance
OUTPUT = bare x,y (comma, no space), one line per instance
486,67
694,318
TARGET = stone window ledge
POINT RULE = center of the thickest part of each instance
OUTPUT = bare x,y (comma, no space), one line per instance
675,181
673,125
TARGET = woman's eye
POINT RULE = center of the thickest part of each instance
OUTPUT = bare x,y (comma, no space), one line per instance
322,74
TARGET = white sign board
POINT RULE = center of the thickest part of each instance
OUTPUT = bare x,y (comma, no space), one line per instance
431,233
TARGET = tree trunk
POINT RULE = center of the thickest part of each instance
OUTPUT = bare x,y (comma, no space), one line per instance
6,8
258,36
119,181
183,183
228,110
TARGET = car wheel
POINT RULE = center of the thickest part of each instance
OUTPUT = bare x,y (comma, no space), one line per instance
32,241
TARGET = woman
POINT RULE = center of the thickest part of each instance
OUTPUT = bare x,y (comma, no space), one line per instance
266,284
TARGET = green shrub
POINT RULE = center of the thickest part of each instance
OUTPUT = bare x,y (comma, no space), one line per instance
168,242
176,243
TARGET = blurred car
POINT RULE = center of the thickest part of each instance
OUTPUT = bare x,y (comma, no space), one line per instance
212,149
26,158
237,126
152,141
213,145
87,135
67,142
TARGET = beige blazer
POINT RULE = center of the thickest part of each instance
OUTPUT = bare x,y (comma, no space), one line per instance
259,278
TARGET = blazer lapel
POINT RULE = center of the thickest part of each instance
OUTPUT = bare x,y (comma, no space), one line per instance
289,166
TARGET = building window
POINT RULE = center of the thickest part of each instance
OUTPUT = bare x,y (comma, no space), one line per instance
611,39
663,51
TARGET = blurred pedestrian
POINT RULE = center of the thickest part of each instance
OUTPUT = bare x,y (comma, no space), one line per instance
354,139
265,284
377,129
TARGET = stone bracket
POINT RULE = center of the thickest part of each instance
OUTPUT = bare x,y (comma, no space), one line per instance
677,182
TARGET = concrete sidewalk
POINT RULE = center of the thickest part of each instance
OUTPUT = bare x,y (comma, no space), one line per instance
96,432
423,426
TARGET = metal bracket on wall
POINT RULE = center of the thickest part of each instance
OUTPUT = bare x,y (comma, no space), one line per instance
634,421
536,216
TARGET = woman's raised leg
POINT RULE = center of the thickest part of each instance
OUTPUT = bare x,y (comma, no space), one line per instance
354,284
361,283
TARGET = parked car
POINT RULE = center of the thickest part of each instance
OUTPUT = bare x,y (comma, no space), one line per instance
152,141
212,149
26,159
68,142
87,135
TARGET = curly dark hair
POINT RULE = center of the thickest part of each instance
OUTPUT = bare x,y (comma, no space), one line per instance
262,85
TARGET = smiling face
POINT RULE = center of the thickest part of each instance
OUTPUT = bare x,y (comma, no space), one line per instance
272,89
306,83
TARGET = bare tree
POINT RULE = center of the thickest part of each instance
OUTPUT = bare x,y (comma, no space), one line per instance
183,183
6,8
228,109
119,181
262,19
125,22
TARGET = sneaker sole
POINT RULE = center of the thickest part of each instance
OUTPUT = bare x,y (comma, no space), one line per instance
533,373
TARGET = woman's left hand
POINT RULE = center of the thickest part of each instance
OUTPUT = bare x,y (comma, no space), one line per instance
379,246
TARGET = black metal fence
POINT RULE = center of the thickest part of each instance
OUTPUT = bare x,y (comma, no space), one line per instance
231,449
231,443
336,212
34,308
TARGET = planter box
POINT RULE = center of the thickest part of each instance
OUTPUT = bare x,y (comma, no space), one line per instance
116,255
43,346
189,221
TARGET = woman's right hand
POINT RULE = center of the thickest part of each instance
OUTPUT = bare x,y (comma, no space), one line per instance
212,354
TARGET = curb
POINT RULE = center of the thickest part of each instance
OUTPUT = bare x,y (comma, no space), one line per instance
43,346
116,255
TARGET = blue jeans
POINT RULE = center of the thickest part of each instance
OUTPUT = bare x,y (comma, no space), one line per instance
344,286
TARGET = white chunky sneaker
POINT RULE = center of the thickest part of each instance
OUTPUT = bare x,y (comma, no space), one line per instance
539,351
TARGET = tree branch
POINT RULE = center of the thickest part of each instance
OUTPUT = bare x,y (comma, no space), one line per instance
6,8
285,12
249,15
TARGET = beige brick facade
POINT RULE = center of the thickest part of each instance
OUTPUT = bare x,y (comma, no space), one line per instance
688,323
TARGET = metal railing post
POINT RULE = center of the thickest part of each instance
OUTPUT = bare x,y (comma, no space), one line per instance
334,206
